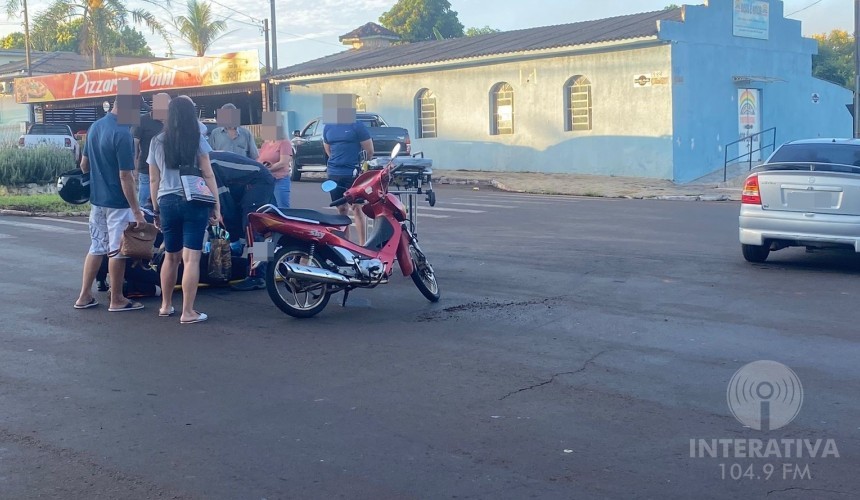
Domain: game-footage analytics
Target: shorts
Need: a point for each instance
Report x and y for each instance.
(183, 224)
(344, 182)
(106, 228)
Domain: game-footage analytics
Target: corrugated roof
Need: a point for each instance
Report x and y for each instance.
(48, 63)
(564, 35)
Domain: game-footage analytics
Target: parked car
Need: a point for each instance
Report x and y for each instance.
(51, 134)
(806, 194)
(308, 143)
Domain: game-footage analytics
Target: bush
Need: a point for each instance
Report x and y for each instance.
(40, 165)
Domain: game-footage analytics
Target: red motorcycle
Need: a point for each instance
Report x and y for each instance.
(313, 260)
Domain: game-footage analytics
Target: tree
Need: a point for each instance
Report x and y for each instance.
(835, 59)
(481, 31)
(100, 25)
(12, 41)
(49, 36)
(199, 28)
(415, 20)
(672, 6)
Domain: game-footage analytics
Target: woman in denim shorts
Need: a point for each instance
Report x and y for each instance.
(183, 223)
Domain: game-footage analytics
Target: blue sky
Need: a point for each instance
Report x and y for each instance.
(308, 29)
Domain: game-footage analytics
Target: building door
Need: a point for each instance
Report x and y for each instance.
(749, 122)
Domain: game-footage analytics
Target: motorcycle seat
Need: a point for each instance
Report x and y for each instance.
(306, 215)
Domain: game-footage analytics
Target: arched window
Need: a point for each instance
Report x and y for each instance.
(502, 109)
(360, 106)
(577, 103)
(425, 114)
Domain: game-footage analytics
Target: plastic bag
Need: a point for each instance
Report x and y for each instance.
(220, 258)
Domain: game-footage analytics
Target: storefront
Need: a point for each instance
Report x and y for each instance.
(80, 98)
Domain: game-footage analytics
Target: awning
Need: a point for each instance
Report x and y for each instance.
(238, 88)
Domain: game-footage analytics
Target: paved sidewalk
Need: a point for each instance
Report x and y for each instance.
(594, 185)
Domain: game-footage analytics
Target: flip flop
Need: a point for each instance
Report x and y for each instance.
(129, 306)
(163, 315)
(92, 303)
(200, 319)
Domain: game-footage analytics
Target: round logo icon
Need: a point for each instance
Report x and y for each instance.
(765, 395)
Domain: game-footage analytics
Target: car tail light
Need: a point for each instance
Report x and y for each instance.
(751, 194)
(408, 145)
(68, 142)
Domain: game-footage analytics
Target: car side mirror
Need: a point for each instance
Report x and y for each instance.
(296, 133)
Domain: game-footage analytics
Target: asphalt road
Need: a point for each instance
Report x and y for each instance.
(579, 346)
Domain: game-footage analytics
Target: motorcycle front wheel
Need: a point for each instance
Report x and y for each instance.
(296, 297)
(422, 274)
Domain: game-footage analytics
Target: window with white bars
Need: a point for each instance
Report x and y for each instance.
(502, 106)
(425, 112)
(577, 100)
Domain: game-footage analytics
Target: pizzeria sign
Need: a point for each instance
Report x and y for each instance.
(170, 74)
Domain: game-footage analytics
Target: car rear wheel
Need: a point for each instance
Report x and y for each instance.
(755, 253)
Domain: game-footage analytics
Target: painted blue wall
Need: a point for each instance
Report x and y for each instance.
(675, 130)
(705, 58)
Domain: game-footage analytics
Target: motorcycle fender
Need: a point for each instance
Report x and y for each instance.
(403, 256)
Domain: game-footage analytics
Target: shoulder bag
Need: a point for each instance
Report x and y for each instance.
(194, 185)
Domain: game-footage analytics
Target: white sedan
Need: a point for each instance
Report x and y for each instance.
(806, 194)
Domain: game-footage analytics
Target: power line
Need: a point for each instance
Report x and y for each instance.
(305, 37)
(232, 9)
(816, 2)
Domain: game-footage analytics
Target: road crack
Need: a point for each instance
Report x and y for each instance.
(584, 366)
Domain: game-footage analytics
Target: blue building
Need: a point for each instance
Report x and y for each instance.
(656, 94)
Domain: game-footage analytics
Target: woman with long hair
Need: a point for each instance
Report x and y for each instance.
(183, 223)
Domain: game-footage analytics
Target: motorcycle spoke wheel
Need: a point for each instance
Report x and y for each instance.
(296, 297)
(423, 276)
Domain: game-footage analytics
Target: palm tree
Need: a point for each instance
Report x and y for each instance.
(199, 28)
(99, 18)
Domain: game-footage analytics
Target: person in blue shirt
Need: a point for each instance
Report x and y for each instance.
(109, 158)
(344, 144)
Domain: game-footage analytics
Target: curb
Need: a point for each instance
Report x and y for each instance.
(24, 213)
(591, 194)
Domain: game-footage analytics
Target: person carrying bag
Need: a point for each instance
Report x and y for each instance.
(182, 183)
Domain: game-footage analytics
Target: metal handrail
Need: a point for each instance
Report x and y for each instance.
(749, 153)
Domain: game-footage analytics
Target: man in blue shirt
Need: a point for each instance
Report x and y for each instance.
(343, 144)
(109, 158)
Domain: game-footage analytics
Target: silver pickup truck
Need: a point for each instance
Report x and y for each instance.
(51, 134)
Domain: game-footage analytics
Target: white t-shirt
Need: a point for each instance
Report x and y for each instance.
(170, 182)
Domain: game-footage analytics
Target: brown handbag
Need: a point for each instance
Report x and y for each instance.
(138, 243)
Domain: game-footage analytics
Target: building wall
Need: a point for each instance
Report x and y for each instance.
(705, 58)
(12, 116)
(632, 127)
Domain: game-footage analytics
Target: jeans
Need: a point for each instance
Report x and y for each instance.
(282, 192)
(143, 191)
(183, 223)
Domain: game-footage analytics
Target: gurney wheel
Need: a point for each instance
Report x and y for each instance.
(431, 198)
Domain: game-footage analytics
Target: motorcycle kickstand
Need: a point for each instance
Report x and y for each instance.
(345, 296)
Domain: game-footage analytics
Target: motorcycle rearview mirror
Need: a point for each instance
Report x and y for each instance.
(395, 151)
(329, 186)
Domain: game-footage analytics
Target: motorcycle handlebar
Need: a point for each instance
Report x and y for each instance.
(338, 202)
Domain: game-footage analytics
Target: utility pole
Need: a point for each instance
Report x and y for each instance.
(857, 68)
(275, 37)
(266, 33)
(31, 115)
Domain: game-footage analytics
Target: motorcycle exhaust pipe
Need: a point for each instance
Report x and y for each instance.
(318, 274)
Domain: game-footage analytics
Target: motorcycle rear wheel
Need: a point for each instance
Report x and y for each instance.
(422, 274)
(298, 298)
